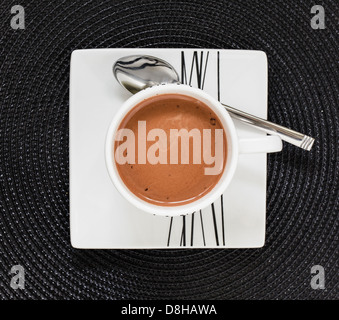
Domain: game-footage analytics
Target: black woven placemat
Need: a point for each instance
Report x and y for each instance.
(302, 199)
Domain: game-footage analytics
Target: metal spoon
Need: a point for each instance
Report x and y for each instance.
(138, 72)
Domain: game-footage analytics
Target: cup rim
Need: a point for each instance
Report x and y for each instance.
(232, 150)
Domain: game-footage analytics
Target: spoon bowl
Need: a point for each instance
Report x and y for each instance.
(137, 72)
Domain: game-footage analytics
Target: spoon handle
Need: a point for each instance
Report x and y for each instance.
(296, 138)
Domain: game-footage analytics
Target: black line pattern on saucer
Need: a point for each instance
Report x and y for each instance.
(169, 232)
(183, 233)
(202, 228)
(192, 228)
(218, 74)
(222, 197)
(199, 64)
(222, 219)
(215, 225)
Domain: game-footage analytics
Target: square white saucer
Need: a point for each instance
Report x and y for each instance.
(101, 218)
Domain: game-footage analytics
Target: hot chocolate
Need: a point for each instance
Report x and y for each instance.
(172, 150)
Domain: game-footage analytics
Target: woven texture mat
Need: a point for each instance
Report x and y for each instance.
(302, 199)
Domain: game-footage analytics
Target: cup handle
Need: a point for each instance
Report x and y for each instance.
(266, 144)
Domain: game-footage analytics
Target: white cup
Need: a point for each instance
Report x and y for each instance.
(234, 147)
